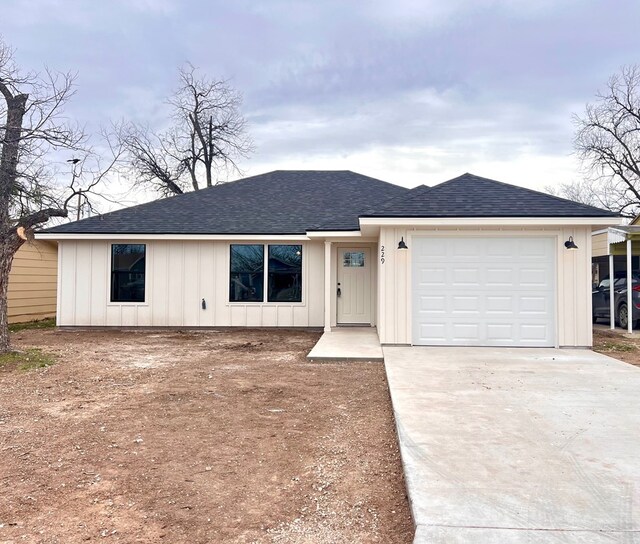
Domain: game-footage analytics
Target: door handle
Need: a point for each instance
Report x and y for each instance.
(339, 292)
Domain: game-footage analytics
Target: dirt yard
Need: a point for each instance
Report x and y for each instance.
(196, 437)
(617, 344)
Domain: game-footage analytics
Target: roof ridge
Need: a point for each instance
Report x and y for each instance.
(504, 184)
(392, 201)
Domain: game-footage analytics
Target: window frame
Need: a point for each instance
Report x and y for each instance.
(264, 287)
(147, 283)
(265, 301)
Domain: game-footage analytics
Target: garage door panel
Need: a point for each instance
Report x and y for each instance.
(499, 277)
(500, 332)
(534, 249)
(432, 276)
(461, 304)
(466, 331)
(534, 278)
(466, 249)
(432, 304)
(489, 291)
(534, 333)
(465, 276)
(433, 332)
(538, 305)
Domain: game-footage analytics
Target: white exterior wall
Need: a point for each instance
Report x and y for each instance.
(179, 274)
(573, 283)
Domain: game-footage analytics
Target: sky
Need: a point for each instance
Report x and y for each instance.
(410, 91)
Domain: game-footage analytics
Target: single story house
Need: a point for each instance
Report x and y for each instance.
(471, 261)
(33, 282)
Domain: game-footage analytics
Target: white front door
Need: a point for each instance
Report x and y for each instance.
(494, 291)
(354, 286)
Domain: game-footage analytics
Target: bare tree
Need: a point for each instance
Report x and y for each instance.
(206, 138)
(607, 140)
(33, 133)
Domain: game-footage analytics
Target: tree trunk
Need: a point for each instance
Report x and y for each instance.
(8, 249)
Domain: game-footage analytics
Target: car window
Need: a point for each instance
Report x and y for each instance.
(604, 284)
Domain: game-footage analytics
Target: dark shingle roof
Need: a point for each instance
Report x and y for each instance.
(297, 201)
(474, 196)
(279, 202)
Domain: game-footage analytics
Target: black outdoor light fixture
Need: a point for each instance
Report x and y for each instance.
(569, 244)
(401, 244)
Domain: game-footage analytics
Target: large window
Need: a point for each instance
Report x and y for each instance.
(283, 273)
(247, 273)
(127, 272)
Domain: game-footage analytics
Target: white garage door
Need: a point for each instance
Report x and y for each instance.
(484, 291)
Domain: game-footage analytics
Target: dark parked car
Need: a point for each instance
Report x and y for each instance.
(601, 297)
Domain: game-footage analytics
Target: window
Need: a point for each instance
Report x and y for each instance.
(285, 273)
(282, 272)
(353, 258)
(247, 273)
(127, 272)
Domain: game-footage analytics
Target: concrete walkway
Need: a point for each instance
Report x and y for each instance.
(348, 344)
(518, 445)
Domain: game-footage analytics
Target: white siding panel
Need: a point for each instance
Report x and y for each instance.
(67, 282)
(83, 283)
(157, 272)
(175, 288)
(99, 283)
(206, 284)
(178, 276)
(192, 303)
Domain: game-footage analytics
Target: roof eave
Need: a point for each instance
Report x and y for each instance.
(486, 221)
(166, 236)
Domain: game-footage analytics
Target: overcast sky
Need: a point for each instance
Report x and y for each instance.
(409, 91)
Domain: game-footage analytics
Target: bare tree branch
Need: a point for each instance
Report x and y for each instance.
(33, 134)
(607, 140)
(207, 137)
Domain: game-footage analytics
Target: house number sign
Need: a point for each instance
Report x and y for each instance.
(381, 254)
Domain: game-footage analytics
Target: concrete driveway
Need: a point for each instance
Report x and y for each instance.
(518, 445)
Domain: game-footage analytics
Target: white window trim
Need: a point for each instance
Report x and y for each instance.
(147, 284)
(265, 280)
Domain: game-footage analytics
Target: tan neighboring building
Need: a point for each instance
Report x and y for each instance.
(33, 282)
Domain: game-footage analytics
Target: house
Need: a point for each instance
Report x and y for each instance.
(32, 282)
(471, 261)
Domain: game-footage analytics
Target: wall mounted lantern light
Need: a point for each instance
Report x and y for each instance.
(401, 244)
(569, 244)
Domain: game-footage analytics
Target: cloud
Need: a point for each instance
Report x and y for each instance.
(407, 88)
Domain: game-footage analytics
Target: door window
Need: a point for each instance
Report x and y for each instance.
(353, 259)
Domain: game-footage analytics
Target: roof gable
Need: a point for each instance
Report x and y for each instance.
(474, 196)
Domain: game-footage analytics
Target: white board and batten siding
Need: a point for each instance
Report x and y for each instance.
(179, 274)
(465, 308)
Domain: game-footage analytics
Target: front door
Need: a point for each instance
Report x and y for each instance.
(354, 286)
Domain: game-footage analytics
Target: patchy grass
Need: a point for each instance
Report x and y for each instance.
(29, 325)
(609, 346)
(28, 359)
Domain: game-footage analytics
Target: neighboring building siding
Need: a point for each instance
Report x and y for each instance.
(600, 244)
(573, 283)
(179, 275)
(32, 282)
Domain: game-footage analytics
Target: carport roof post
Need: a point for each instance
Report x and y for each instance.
(616, 237)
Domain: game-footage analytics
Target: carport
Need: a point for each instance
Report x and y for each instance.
(517, 445)
(621, 241)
